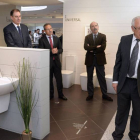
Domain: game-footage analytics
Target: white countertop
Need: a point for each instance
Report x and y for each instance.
(24, 49)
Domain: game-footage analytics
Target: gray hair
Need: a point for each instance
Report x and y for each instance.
(133, 20)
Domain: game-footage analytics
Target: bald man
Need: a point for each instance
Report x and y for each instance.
(95, 44)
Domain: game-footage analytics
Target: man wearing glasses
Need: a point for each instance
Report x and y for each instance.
(51, 42)
(95, 45)
(126, 83)
(16, 34)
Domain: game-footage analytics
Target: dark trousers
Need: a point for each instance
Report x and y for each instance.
(56, 71)
(100, 71)
(128, 93)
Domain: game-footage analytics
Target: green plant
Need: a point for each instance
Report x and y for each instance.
(24, 93)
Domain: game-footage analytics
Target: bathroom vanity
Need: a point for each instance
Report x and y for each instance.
(11, 119)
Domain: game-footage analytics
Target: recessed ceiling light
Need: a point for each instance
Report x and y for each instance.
(32, 8)
(61, 0)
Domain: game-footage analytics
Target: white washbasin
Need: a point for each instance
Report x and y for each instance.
(5, 88)
(6, 85)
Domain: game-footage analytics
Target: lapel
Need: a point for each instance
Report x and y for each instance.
(127, 50)
(138, 78)
(98, 37)
(54, 42)
(23, 33)
(16, 32)
(48, 46)
(91, 39)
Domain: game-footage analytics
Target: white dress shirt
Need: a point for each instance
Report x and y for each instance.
(134, 41)
(49, 38)
(16, 26)
(94, 35)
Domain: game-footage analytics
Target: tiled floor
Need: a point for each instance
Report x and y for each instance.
(76, 119)
(107, 135)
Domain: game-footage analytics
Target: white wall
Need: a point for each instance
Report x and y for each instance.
(114, 18)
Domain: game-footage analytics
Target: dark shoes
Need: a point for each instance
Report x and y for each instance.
(130, 139)
(89, 98)
(106, 97)
(63, 97)
(135, 138)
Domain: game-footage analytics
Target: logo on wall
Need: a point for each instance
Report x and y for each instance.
(72, 19)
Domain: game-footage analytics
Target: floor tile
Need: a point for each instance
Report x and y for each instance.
(79, 127)
(91, 137)
(103, 120)
(66, 113)
(94, 108)
(55, 133)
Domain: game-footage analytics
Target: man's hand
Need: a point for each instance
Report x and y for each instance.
(98, 46)
(55, 51)
(114, 85)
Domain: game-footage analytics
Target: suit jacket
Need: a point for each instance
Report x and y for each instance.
(122, 62)
(44, 44)
(100, 54)
(13, 39)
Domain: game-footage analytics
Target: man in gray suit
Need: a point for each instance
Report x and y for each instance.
(16, 34)
(126, 81)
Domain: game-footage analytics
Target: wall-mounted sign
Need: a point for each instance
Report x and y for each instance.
(72, 19)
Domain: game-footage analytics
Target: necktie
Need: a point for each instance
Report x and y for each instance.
(133, 59)
(51, 44)
(95, 38)
(19, 31)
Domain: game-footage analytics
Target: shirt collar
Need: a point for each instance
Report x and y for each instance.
(95, 34)
(134, 38)
(16, 25)
(49, 36)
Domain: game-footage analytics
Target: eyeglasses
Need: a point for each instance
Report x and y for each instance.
(48, 29)
(136, 28)
(94, 26)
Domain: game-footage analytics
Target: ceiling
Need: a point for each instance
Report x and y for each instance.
(32, 2)
(53, 11)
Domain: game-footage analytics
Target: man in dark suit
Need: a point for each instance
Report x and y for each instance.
(16, 34)
(51, 42)
(95, 44)
(125, 83)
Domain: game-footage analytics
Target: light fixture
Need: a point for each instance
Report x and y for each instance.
(61, 0)
(32, 8)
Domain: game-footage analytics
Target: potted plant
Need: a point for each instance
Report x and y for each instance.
(24, 95)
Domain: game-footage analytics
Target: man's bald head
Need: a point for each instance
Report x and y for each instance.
(94, 27)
